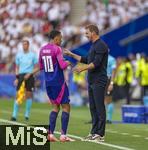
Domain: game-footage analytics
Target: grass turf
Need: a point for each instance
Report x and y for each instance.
(118, 134)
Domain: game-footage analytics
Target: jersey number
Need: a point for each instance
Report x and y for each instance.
(48, 64)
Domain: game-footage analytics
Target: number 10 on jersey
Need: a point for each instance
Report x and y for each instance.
(48, 64)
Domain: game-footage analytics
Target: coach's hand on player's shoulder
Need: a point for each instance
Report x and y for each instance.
(26, 77)
(67, 52)
(15, 82)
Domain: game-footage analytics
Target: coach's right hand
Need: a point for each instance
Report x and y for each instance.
(67, 52)
(15, 82)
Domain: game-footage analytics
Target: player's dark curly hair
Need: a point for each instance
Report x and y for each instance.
(54, 33)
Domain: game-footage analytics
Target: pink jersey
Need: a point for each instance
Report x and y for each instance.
(52, 62)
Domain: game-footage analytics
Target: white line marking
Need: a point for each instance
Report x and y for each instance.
(74, 136)
(12, 122)
(136, 135)
(112, 131)
(146, 138)
(7, 112)
(133, 135)
(125, 133)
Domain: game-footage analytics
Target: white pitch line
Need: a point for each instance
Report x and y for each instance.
(136, 135)
(7, 112)
(133, 135)
(112, 131)
(74, 136)
(125, 133)
(12, 122)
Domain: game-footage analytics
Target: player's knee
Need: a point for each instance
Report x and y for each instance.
(56, 108)
(66, 108)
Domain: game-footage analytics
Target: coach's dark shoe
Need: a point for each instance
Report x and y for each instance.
(97, 138)
(26, 118)
(108, 121)
(13, 119)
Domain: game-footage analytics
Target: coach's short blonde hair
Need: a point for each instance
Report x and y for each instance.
(93, 28)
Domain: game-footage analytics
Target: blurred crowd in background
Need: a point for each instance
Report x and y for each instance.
(35, 19)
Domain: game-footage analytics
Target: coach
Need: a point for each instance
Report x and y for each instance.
(97, 78)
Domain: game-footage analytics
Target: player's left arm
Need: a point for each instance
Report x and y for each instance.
(63, 64)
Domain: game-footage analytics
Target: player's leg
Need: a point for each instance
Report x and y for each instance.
(53, 92)
(53, 118)
(65, 121)
(65, 118)
(109, 108)
(29, 89)
(65, 115)
(52, 122)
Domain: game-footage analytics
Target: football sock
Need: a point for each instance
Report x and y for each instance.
(64, 122)
(52, 121)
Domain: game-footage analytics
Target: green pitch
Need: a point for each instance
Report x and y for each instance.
(124, 136)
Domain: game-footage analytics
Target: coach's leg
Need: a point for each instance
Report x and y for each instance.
(99, 96)
(93, 111)
(53, 118)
